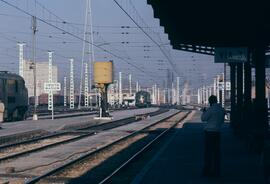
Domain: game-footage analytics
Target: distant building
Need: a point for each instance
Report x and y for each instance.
(42, 76)
(113, 95)
(186, 94)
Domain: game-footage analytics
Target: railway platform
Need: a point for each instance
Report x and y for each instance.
(180, 160)
(48, 125)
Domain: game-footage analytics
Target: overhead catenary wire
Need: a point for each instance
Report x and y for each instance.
(65, 50)
(44, 58)
(154, 41)
(77, 37)
(27, 46)
(65, 23)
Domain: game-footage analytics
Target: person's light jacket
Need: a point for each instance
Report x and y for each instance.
(2, 110)
(214, 116)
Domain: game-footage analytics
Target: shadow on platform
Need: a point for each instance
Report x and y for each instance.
(182, 159)
(179, 159)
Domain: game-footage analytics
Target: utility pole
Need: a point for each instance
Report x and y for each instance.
(177, 90)
(206, 95)
(158, 96)
(223, 89)
(130, 85)
(50, 92)
(34, 29)
(86, 89)
(169, 96)
(92, 48)
(164, 96)
(65, 91)
(199, 96)
(116, 97)
(111, 93)
(71, 87)
(21, 63)
(173, 93)
(218, 94)
(155, 87)
(120, 89)
(88, 40)
(215, 86)
(224, 79)
(137, 86)
(202, 96)
(83, 52)
(153, 94)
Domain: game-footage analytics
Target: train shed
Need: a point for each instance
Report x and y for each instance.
(204, 27)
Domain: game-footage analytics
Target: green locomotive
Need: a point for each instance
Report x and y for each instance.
(14, 95)
(142, 99)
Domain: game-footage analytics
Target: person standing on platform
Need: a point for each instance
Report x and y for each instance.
(214, 117)
(2, 110)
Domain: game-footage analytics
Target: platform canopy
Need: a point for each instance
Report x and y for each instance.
(199, 26)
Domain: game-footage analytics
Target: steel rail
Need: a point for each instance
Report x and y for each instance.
(67, 115)
(103, 126)
(62, 167)
(138, 153)
(121, 122)
(5, 146)
(45, 147)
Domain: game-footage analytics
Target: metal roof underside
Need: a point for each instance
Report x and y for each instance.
(200, 26)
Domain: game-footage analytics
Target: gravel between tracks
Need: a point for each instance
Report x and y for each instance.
(94, 161)
(35, 164)
(121, 149)
(38, 144)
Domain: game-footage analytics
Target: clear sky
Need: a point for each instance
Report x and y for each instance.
(110, 32)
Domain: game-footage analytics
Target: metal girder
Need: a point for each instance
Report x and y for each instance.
(196, 49)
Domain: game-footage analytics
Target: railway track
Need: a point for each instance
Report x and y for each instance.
(27, 137)
(68, 113)
(25, 148)
(65, 114)
(12, 151)
(17, 149)
(121, 122)
(143, 138)
(122, 170)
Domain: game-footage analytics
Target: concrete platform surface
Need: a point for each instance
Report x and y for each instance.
(181, 159)
(58, 124)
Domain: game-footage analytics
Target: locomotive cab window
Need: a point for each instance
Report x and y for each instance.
(12, 86)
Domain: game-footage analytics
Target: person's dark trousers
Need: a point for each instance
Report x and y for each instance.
(211, 154)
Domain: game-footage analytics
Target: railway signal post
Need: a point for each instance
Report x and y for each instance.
(21, 63)
(50, 86)
(71, 85)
